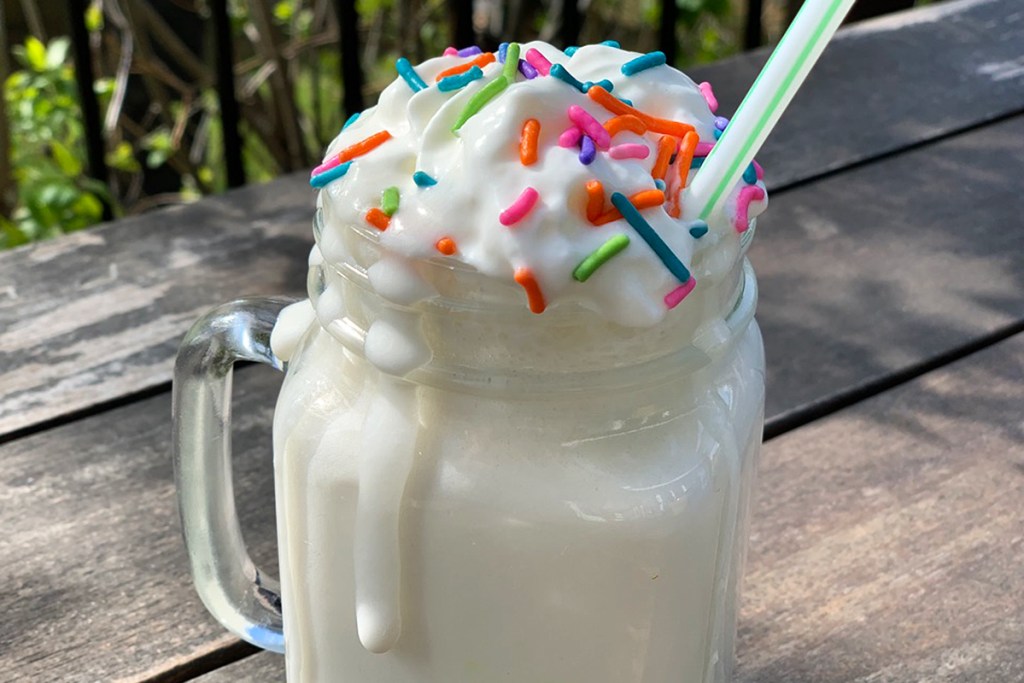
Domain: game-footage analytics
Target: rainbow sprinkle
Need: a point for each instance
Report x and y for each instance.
(389, 201)
(599, 257)
(502, 51)
(352, 119)
(422, 179)
(698, 230)
(721, 122)
(588, 151)
(611, 43)
(450, 83)
(750, 175)
(520, 207)
(479, 99)
(709, 96)
(538, 61)
(589, 125)
(319, 180)
(644, 62)
(570, 137)
(511, 62)
(534, 297)
(660, 184)
(528, 70)
(562, 74)
(648, 234)
(571, 50)
(469, 51)
(631, 150)
(675, 297)
(747, 194)
(409, 75)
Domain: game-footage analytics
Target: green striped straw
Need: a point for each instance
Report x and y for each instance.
(781, 77)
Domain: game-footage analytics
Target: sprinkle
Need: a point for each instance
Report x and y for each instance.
(610, 43)
(562, 74)
(352, 151)
(628, 103)
(758, 169)
(571, 50)
(588, 152)
(697, 162)
(451, 52)
(703, 149)
(409, 75)
(534, 297)
(616, 106)
(599, 257)
(666, 146)
(750, 175)
(617, 124)
(527, 70)
(458, 81)
(747, 194)
(469, 51)
(570, 137)
(389, 201)
(595, 200)
(631, 150)
(422, 179)
(718, 134)
(709, 95)
(647, 233)
(604, 83)
(321, 179)
(502, 50)
(645, 199)
(644, 62)
(721, 122)
(660, 184)
(538, 61)
(589, 125)
(520, 207)
(352, 119)
(481, 61)
(445, 245)
(686, 150)
(699, 229)
(673, 298)
(511, 62)
(479, 99)
(528, 142)
(378, 219)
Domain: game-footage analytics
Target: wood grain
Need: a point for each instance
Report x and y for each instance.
(886, 543)
(94, 318)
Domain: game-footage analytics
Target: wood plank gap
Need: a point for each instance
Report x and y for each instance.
(200, 666)
(798, 417)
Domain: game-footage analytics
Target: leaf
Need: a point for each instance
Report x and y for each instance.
(66, 159)
(35, 54)
(93, 18)
(123, 158)
(57, 52)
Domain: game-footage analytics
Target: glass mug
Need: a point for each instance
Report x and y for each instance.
(546, 498)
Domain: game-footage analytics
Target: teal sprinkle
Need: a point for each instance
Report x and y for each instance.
(718, 133)
(697, 162)
(629, 102)
(461, 80)
(654, 241)
(604, 83)
(422, 179)
(660, 184)
(643, 62)
(611, 43)
(321, 179)
(750, 175)
(571, 50)
(699, 229)
(409, 75)
(562, 74)
(351, 120)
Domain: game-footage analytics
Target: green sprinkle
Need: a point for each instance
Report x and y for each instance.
(389, 201)
(599, 257)
(482, 97)
(511, 63)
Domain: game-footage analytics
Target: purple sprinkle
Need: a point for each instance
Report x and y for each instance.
(469, 51)
(721, 122)
(528, 69)
(587, 151)
(502, 51)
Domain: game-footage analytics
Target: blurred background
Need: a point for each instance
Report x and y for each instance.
(115, 107)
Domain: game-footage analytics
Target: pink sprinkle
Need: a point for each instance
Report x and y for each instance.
(631, 150)
(327, 165)
(570, 137)
(582, 118)
(673, 298)
(451, 52)
(703, 149)
(538, 61)
(758, 170)
(520, 207)
(747, 194)
(709, 95)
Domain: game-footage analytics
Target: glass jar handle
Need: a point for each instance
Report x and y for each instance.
(241, 597)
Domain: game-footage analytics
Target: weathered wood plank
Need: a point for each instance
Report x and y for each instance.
(96, 316)
(888, 83)
(886, 542)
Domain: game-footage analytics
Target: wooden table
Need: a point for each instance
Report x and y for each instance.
(888, 541)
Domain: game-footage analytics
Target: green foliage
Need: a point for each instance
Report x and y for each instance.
(47, 148)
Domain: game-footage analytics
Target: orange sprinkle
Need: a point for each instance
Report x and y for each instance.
(653, 123)
(595, 200)
(445, 245)
(528, 142)
(643, 199)
(535, 298)
(666, 145)
(480, 61)
(685, 157)
(363, 146)
(617, 124)
(672, 207)
(378, 219)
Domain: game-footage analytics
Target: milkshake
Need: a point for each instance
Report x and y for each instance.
(523, 401)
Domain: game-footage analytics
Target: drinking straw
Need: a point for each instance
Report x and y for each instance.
(768, 97)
